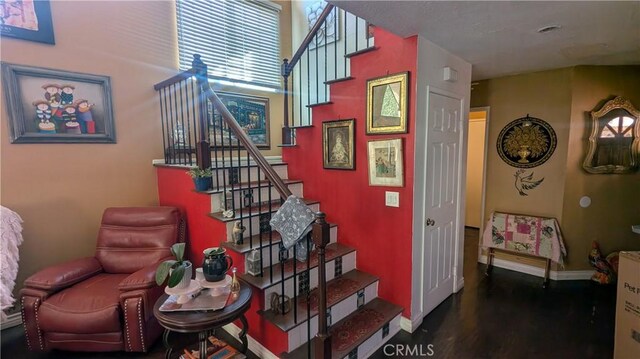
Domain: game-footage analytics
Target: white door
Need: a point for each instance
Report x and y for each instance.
(444, 144)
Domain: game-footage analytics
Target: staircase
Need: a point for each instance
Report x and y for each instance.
(324, 307)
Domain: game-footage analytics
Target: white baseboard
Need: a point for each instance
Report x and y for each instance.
(460, 285)
(537, 271)
(13, 320)
(254, 346)
(409, 325)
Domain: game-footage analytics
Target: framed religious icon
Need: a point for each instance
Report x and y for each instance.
(387, 104)
(338, 145)
(53, 106)
(27, 20)
(386, 163)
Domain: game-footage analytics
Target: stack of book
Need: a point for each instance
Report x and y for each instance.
(217, 349)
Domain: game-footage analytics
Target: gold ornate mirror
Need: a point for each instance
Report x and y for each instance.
(614, 142)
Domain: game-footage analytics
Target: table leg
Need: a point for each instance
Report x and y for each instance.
(547, 267)
(489, 268)
(202, 349)
(243, 334)
(165, 340)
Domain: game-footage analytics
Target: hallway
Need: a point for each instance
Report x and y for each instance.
(510, 316)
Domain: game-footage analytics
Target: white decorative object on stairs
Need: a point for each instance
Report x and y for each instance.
(11, 232)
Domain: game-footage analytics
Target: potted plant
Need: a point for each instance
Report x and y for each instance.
(179, 270)
(201, 178)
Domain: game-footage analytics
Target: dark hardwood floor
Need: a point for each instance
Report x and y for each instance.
(508, 316)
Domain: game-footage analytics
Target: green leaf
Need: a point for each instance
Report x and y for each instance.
(163, 271)
(178, 251)
(176, 276)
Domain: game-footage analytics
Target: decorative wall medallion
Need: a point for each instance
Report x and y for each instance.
(525, 182)
(526, 142)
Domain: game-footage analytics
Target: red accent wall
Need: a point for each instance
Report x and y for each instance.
(175, 188)
(381, 235)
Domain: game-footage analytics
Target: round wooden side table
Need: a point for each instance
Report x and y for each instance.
(204, 322)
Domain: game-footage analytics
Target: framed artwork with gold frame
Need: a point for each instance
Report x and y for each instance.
(386, 163)
(387, 104)
(338, 145)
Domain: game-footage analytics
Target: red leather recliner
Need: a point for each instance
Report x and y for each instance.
(105, 302)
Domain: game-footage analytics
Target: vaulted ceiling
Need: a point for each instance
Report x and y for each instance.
(504, 37)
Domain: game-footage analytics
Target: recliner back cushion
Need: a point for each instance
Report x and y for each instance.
(132, 238)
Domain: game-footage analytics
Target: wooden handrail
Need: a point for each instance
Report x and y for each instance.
(174, 79)
(250, 147)
(307, 40)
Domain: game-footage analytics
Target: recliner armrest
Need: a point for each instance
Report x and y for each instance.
(60, 276)
(141, 279)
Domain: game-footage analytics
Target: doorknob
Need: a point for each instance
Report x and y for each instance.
(429, 222)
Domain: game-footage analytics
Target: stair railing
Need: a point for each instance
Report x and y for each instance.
(321, 59)
(196, 123)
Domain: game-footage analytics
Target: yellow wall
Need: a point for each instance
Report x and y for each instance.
(61, 190)
(561, 97)
(475, 167)
(615, 199)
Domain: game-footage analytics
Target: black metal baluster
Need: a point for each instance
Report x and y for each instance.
(326, 61)
(317, 73)
(368, 34)
(335, 43)
(261, 225)
(164, 145)
(308, 89)
(231, 171)
(250, 193)
(294, 300)
(357, 19)
(176, 118)
(271, 237)
(195, 115)
(300, 91)
(346, 39)
(225, 170)
(216, 149)
(239, 188)
(171, 135)
(184, 135)
(186, 99)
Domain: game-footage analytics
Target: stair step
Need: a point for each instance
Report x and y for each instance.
(338, 289)
(319, 104)
(256, 210)
(355, 329)
(359, 52)
(248, 185)
(333, 251)
(259, 241)
(340, 79)
(241, 164)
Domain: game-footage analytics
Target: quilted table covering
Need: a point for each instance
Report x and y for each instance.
(537, 236)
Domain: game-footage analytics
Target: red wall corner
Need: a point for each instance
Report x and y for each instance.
(381, 235)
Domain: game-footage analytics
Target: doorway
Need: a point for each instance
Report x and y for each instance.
(476, 157)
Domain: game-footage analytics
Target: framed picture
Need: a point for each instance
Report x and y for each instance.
(27, 20)
(338, 144)
(387, 100)
(251, 112)
(53, 106)
(386, 163)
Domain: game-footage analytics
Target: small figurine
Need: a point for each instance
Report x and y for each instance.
(66, 94)
(238, 230)
(235, 285)
(70, 122)
(227, 208)
(87, 124)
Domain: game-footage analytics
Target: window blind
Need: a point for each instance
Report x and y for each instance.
(239, 40)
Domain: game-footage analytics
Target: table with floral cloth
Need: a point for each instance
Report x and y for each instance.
(530, 235)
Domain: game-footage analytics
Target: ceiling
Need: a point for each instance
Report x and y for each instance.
(501, 37)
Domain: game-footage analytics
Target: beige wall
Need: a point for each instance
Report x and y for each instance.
(561, 97)
(60, 190)
(615, 199)
(475, 167)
